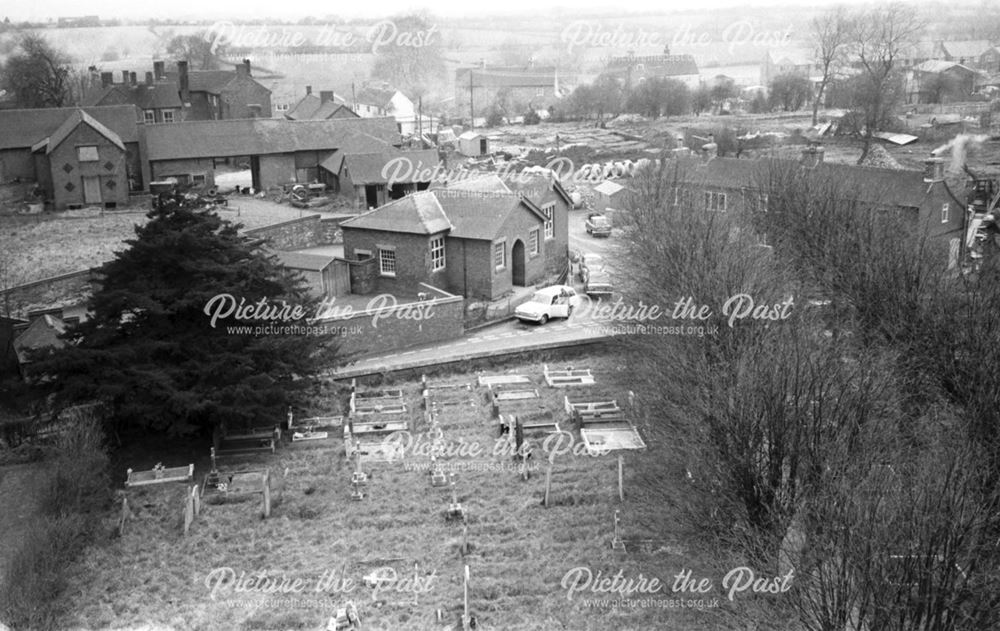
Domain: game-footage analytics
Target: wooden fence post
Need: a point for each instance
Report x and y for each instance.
(267, 493)
(188, 513)
(621, 478)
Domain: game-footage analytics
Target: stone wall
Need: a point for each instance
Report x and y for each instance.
(63, 290)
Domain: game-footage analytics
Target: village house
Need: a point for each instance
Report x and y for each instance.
(937, 81)
(77, 156)
(182, 95)
(322, 107)
(524, 88)
(478, 239)
(923, 198)
(975, 54)
(633, 69)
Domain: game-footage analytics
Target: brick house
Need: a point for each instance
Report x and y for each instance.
(221, 94)
(83, 162)
(632, 69)
(555, 202)
(730, 184)
(159, 101)
(479, 244)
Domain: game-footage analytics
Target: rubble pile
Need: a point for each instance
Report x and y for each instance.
(878, 157)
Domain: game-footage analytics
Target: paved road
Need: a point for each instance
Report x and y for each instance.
(505, 337)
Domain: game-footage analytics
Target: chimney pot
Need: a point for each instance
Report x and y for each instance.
(933, 169)
(159, 70)
(125, 76)
(309, 90)
(106, 79)
(149, 78)
(132, 78)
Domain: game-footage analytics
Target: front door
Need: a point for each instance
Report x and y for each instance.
(517, 263)
(92, 190)
(371, 196)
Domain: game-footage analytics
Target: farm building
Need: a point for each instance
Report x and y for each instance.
(278, 151)
(22, 131)
(320, 272)
(376, 178)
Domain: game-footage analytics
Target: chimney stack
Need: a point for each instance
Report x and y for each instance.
(183, 81)
(125, 77)
(309, 90)
(710, 149)
(325, 95)
(812, 156)
(243, 69)
(933, 169)
(158, 70)
(132, 79)
(106, 79)
(149, 78)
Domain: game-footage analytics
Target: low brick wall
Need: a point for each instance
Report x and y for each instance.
(304, 232)
(392, 328)
(62, 290)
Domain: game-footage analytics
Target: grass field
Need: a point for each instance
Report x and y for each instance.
(520, 550)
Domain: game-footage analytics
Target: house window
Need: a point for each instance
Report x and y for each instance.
(437, 254)
(715, 201)
(548, 210)
(168, 116)
(87, 153)
(500, 254)
(148, 116)
(533, 241)
(944, 212)
(198, 179)
(362, 255)
(387, 262)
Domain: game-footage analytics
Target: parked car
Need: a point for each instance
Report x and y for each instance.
(598, 225)
(556, 301)
(598, 284)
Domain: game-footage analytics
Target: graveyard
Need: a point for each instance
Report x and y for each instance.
(441, 501)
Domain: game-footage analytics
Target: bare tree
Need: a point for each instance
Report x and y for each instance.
(880, 35)
(39, 74)
(832, 36)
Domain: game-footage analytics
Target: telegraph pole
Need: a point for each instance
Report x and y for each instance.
(472, 109)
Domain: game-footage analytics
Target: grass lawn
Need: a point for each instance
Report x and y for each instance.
(520, 550)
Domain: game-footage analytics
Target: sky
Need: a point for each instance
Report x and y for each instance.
(129, 9)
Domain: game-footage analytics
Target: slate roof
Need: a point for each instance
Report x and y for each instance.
(419, 213)
(311, 107)
(937, 65)
(144, 96)
(257, 136)
(74, 120)
(376, 96)
(464, 214)
(486, 183)
(660, 65)
(304, 260)
(967, 49)
(904, 187)
(374, 168)
(22, 128)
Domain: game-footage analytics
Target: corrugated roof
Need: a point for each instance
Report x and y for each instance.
(419, 213)
(23, 128)
(304, 260)
(73, 121)
(374, 167)
(257, 136)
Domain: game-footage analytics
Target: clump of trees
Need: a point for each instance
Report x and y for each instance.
(38, 74)
(854, 441)
(151, 352)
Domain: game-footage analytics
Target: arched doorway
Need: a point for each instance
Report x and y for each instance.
(517, 263)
